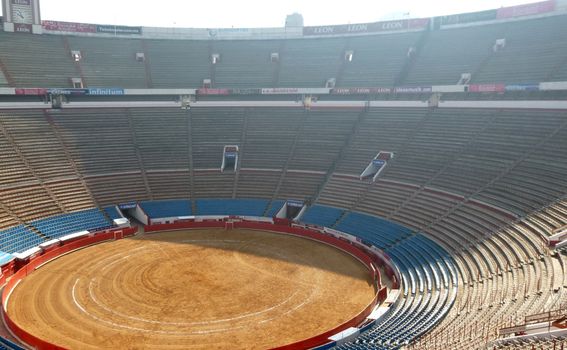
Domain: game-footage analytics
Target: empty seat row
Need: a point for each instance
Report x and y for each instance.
(244, 207)
(167, 208)
(61, 225)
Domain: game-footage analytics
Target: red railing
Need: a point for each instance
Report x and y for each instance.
(282, 227)
(33, 264)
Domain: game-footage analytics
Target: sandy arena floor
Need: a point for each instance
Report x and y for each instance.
(205, 289)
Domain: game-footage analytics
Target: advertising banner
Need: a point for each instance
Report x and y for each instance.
(68, 27)
(487, 88)
(554, 85)
(448, 88)
(245, 91)
(413, 90)
(31, 92)
(295, 203)
(213, 92)
(360, 91)
(118, 30)
(522, 87)
(526, 10)
(105, 91)
(488, 15)
(215, 32)
(65, 91)
(294, 91)
(69, 91)
(418, 23)
(387, 26)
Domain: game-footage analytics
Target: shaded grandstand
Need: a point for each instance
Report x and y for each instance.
(465, 209)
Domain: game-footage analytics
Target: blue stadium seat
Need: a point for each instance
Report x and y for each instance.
(380, 232)
(244, 207)
(428, 274)
(322, 215)
(18, 239)
(275, 206)
(167, 208)
(61, 225)
(112, 212)
(424, 265)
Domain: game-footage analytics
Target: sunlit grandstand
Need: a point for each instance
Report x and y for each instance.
(390, 185)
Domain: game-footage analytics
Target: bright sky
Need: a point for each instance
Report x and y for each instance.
(253, 13)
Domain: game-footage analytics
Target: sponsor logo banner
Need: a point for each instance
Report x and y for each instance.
(522, 87)
(387, 26)
(22, 28)
(105, 91)
(245, 91)
(526, 10)
(213, 91)
(68, 27)
(469, 17)
(33, 91)
(294, 91)
(487, 88)
(413, 90)
(65, 91)
(418, 23)
(131, 205)
(69, 91)
(337, 29)
(214, 32)
(360, 91)
(295, 203)
(275, 91)
(390, 26)
(555, 85)
(118, 30)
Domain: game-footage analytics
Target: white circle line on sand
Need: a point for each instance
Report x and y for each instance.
(251, 314)
(118, 325)
(106, 267)
(114, 256)
(213, 322)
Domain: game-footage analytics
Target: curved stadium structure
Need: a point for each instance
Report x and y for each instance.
(461, 121)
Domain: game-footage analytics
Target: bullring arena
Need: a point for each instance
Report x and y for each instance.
(212, 289)
(393, 185)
